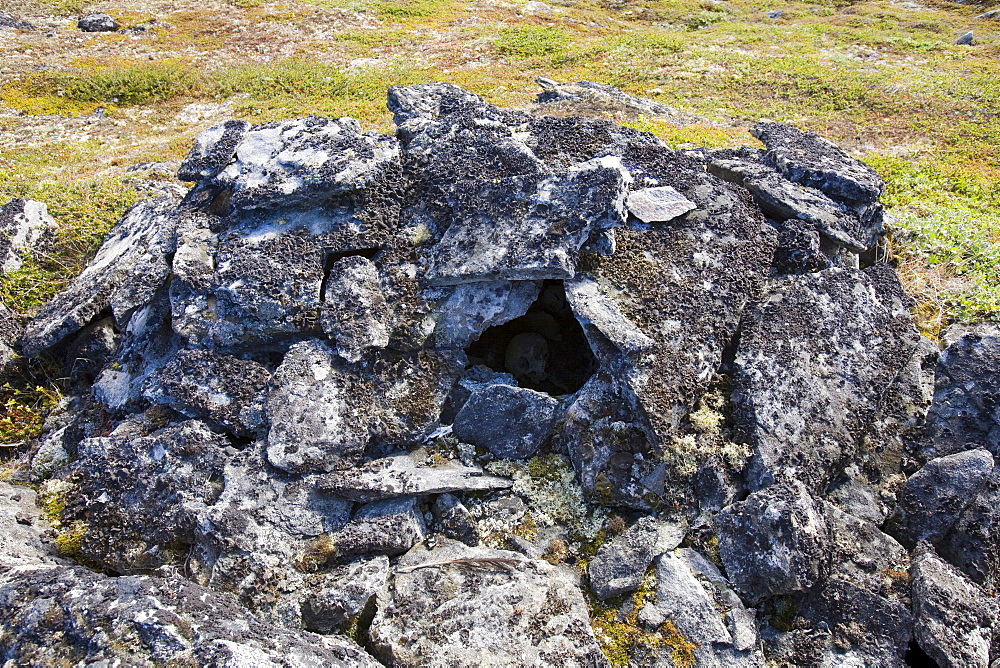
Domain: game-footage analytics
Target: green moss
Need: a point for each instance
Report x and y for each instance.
(531, 41)
(623, 640)
(683, 649)
(69, 541)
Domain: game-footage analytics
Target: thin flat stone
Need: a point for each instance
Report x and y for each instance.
(658, 205)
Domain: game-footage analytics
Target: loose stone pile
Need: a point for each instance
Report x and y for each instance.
(504, 389)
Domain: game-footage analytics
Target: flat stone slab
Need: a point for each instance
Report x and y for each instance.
(658, 205)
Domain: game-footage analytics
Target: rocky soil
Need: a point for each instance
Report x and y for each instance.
(503, 388)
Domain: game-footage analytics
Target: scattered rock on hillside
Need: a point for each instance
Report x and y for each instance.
(10, 22)
(97, 22)
(24, 226)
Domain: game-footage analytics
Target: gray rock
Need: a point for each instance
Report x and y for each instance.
(70, 614)
(23, 532)
(963, 413)
(775, 542)
(91, 350)
(992, 14)
(454, 520)
(354, 313)
(97, 22)
(131, 265)
(812, 367)
(953, 618)
(596, 311)
(51, 454)
(473, 307)
(10, 22)
(10, 332)
(391, 527)
(340, 596)
(973, 544)
(965, 39)
(658, 205)
(24, 225)
(526, 612)
(588, 96)
(534, 225)
(213, 151)
(225, 391)
(293, 162)
(264, 535)
(405, 474)
(936, 495)
(511, 422)
(810, 160)
(620, 564)
(139, 493)
(799, 248)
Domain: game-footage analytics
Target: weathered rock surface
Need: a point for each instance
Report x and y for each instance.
(973, 544)
(98, 22)
(23, 533)
(511, 422)
(514, 611)
(621, 563)
(83, 617)
(10, 22)
(954, 619)
(405, 474)
(24, 225)
(338, 597)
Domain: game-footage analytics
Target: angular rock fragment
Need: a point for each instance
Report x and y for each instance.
(131, 265)
(953, 618)
(973, 544)
(810, 160)
(658, 205)
(454, 520)
(406, 474)
(139, 493)
(338, 597)
(24, 224)
(963, 414)
(223, 390)
(479, 606)
(391, 526)
(10, 332)
(23, 540)
(621, 563)
(511, 422)
(597, 311)
(813, 364)
(213, 150)
(775, 542)
(54, 614)
(354, 313)
(473, 307)
(936, 495)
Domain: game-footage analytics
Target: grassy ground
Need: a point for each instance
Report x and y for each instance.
(884, 79)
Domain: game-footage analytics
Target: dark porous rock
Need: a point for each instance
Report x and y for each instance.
(23, 539)
(130, 267)
(354, 313)
(480, 611)
(289, 163)
(694, 596)
(69, 614)
(810, 160)
(222, 390)
(408, 474)
(775, 542)
(97, 22)
(213, 150)
(935, 496)
(454, 520)
(973, 544)
(813, 364)
(264, 535)
(621, 562)
(799, 248)
(338, 597)
(954, 620)
(964, 414)
(511, 422)
(139, 493)
(10, 22)
(24, 226)
(391, 527)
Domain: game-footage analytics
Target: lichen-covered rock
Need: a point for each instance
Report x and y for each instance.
(813, 364)
(336, 598)
(774, 542)
(213, 150)
(222, 390)
(454, 520)
(10, 22)
(408, 474)
(963, 414)
(936, 495)
(621, 563)
(473, 307)
(130, 267)
(24, 225)
(973, 544)
(482, 612)
(24, 539)
(69, 614)
(391, 526)
(354, 314)
(812, 161)
(97, 22)
(139, 493)
(511, 422)
(10, 332)
(953, 619)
